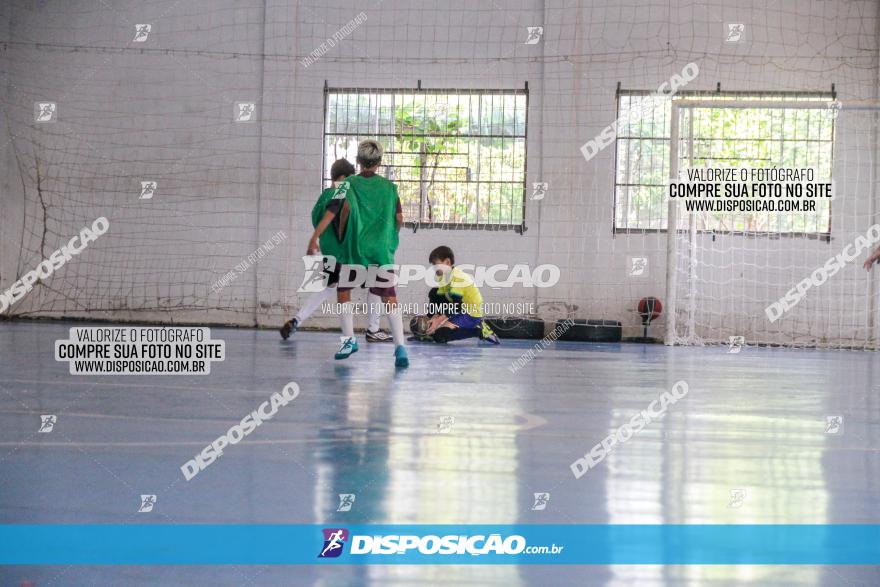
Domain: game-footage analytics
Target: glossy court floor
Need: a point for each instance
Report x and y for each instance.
(753, 421)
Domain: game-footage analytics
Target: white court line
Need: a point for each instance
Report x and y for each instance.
(158, 386)
(185, 419)
(806, 450)
(531, 420)
(138, 385)
(201, 443)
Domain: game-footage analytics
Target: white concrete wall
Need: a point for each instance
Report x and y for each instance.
(162, 110)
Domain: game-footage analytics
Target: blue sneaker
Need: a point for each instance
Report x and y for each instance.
(401, 359)
(348, 347)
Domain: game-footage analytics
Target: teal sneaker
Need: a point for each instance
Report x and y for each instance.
(401, 359)
(347, 348)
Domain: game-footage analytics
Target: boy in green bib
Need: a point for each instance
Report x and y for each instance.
(330, 247)
(366, 216)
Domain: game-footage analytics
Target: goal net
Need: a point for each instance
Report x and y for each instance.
(787, 278)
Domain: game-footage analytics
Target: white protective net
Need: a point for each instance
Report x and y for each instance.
(476, 103)
(732, 269)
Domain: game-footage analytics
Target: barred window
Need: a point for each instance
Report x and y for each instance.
(712, 135)
(458, 156)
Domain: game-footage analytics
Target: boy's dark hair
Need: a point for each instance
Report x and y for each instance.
(340, 168)
(441, 253)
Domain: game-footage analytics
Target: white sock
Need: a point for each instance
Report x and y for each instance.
(375, 311)
(395, 320)
(312, 303)
(346, 319)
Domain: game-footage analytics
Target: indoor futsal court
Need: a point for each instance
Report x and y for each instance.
(506, 293)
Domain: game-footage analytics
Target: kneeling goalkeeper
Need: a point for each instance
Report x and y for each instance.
(457, 306)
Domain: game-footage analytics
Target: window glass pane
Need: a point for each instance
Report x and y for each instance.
(457, 158)
(715, 136)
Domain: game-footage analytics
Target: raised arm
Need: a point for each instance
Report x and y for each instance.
(337, 205)
(319, 230)
(872, 258)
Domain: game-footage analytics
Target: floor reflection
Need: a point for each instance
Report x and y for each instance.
(456, 438)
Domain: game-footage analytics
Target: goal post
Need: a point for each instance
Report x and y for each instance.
(724, 269)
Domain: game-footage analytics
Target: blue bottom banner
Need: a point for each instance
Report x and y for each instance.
(569, 544)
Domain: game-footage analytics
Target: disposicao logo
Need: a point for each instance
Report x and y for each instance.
(334, 540)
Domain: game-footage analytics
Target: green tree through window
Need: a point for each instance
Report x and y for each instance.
(713, 136)
(458, 158)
